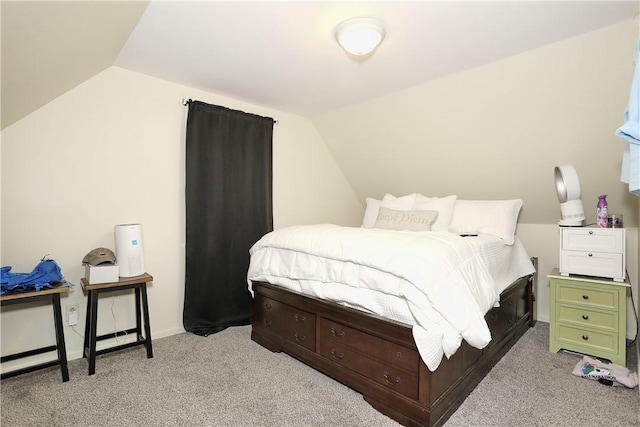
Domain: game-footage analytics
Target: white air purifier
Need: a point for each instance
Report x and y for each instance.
(129, 249)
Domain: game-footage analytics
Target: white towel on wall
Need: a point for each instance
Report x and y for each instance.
(631, 167)
(630, 132)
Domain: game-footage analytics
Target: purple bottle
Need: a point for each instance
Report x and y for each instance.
(602, 217)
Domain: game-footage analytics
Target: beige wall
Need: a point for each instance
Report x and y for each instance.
(497, 131)
(111, 151)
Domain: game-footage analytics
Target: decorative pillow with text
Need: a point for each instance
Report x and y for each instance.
(399, 220)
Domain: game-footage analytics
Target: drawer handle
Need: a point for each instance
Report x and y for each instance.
(585, 337)
(399, 355)
(267, 305)
(338, 335)
(267, 323)
(335, 355)
(585, 317)
(590, 231)
(388, 381)
(585, 296)
(299, 319)
(299, 338)
(590, 254)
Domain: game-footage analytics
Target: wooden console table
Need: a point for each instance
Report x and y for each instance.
(48, 294)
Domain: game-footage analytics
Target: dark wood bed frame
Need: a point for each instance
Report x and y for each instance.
(378, 357)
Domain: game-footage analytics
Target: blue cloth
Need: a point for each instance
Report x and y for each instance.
(42, 276)
(630, 132)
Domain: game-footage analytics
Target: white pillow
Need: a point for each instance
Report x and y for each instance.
(403, 203)
(494, 217)
(371, 212)
(444, 206)
(391, 219)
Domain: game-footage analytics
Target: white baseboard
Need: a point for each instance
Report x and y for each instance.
(77, 354)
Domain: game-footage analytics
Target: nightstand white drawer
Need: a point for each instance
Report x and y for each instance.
(592, 264)
(609, 240)
(591, 251)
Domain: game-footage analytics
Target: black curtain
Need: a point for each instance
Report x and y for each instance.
(228, 208)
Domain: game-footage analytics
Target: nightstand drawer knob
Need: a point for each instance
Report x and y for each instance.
(590, 232)
(590, 254)
(585, 337)
(585, 317)
(585, 296)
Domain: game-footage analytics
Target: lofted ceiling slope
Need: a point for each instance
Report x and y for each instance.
(279, 54)
(49, 47)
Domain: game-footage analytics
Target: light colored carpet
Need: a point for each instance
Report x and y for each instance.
(228, 380)
(532, 387)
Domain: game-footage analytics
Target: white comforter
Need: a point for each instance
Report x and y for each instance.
(436, 281)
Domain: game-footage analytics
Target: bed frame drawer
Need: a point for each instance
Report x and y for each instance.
(389, 375)
(513, 306)
(377, 348)
(296, 325)
(378, 357)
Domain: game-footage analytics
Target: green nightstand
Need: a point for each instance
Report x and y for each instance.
(588, 315)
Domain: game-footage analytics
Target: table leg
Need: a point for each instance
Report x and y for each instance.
(87, 328)
(93, 297)
(147, 325)
(138, 316)
(60, 344)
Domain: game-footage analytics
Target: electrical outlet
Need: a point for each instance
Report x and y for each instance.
(72, 314)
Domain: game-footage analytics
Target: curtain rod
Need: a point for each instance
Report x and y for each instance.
(185, 102)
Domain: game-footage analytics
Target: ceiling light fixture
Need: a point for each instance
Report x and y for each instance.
(360, 36)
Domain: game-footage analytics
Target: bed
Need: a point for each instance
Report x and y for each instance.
(411, 315)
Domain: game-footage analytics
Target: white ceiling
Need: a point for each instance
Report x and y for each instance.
(284, 55)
